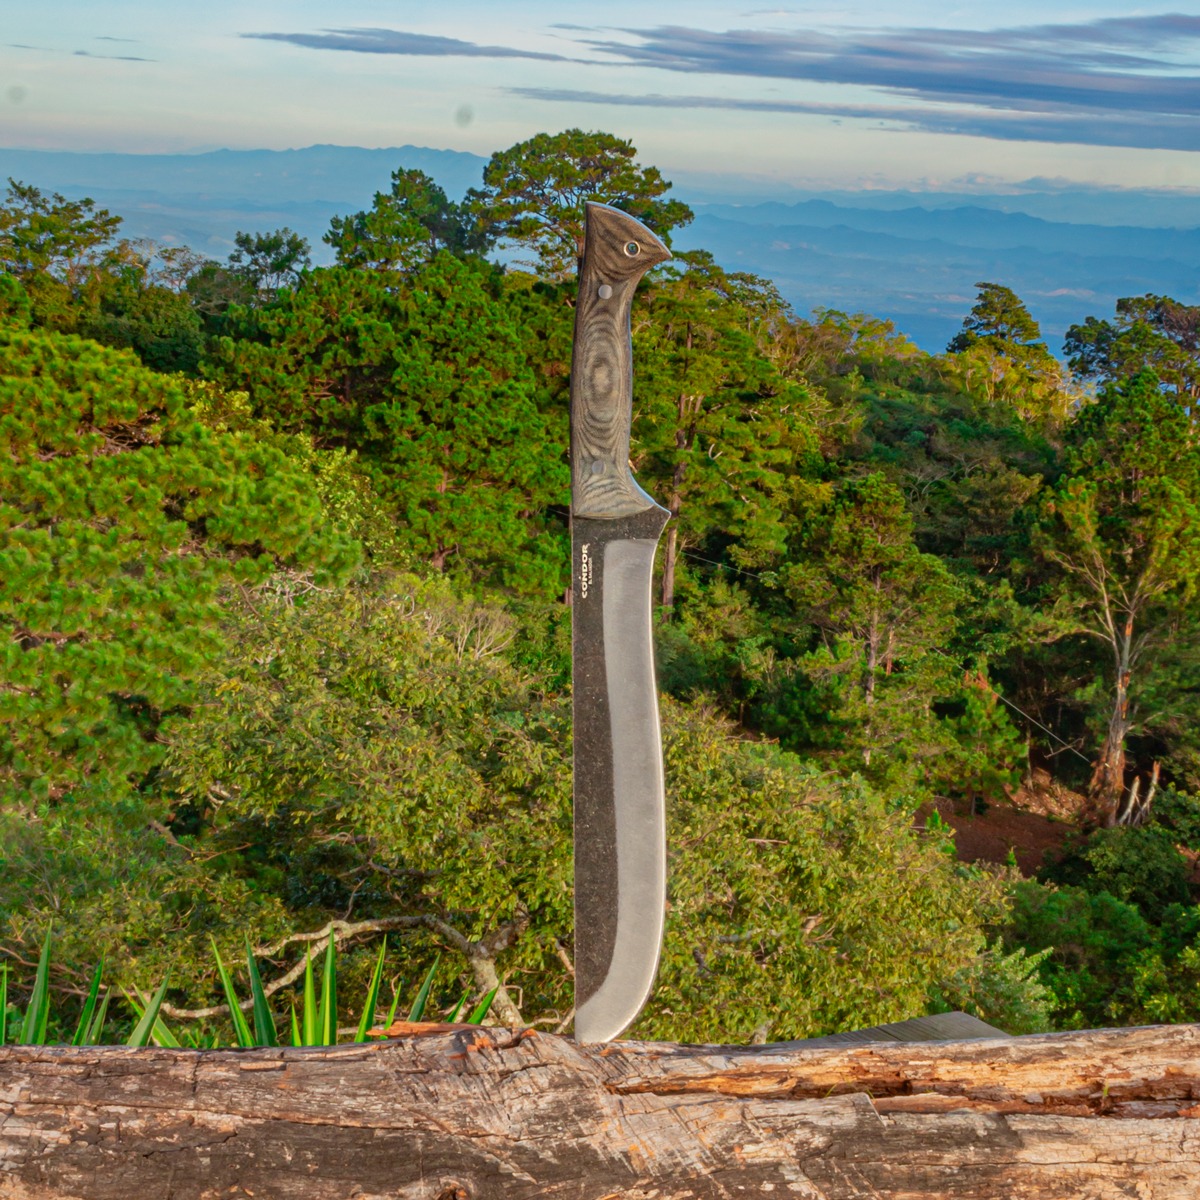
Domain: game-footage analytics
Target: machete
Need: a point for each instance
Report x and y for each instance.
(620, 819)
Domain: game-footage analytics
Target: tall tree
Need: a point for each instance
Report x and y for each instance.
(404, 227)
(880, 604)
(534, 193)
(1122, 528)
(718, 430)
(1149, 333)
(269, 262)
(1000, 356)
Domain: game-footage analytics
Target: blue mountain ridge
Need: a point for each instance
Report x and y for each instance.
(907, 256)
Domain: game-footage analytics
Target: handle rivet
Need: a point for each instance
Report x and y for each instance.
(597, 467)
(605, 292)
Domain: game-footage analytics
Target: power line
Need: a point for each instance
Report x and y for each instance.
(1003, 699)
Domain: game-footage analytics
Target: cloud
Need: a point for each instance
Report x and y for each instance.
(398, 41)
(1139, 130)
(1119, 81)
(113, 57)
(1116, 64)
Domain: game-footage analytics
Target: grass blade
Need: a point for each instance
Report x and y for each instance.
(264, 1019)
(3, 1003)
(89, 1007)
(367, 1020)
(37, 1015)
(241, 1030)
(144, 1029)
(481, 1009)
(311, 1023)
(462, 1003)
(328, 1017)
(418, 1009)
(297, 1036)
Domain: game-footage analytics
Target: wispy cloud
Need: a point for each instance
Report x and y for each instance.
(1148, 131)
(1113, 64)
(113, 57)
(1120, 81)
(398, 41)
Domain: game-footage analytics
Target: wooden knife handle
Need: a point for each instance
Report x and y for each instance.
(617, 252)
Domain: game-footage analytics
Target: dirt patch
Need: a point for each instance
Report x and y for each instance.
(1000, 830)
(1040, 793)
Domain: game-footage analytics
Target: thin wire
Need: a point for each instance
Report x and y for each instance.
(1003, 699)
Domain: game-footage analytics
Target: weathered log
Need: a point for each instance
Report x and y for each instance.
(469, 1114)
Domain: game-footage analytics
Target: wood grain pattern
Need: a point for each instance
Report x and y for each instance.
(602, 364)
(482, 1114)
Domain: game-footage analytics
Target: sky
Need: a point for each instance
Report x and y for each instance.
(894, 93)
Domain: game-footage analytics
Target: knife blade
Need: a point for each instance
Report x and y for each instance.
(619, 798)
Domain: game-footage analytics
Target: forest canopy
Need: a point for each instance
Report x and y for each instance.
(283, 574)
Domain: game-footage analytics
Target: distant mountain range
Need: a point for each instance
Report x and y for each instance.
(913, 257)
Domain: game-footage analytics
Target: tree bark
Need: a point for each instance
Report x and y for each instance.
(1107, 784)
(475, 1114)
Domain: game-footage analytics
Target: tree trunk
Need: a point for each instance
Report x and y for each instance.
(683, 440)
(1107, 784)
(476, 1114)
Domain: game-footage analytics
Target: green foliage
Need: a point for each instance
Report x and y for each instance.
(799, 903)
(211, 730)
(405, 227)
(1149, 333)
(1141, 867)
(269, 262)
(1107, 965)
(431, 386)
(534, 194)
(120, 517)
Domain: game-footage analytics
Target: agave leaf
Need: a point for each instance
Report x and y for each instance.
(418, 1009)
(481, 1009)
(89, 1007)
(311, 1022)
(462, 1001)
(144, 1029)
(37, 1015)
(328, 1015)
(160, 1033)
(264, 1019)
(241, 1029)
(297, 1036)
(395, 1004)
(96, 1028)
(368, 1013)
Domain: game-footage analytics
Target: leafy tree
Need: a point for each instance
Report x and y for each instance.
(880, 605)
(61, 250)
(1122, 530)
(717, 430)
(1149, 333)
(1142, 867)
(53, 236)
(985, 757)
(431, 384)
(1000, 356)
(119, 519)
(405, 227)
(999, 319)
(534, 193)
(786, 919)
(270, 262)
